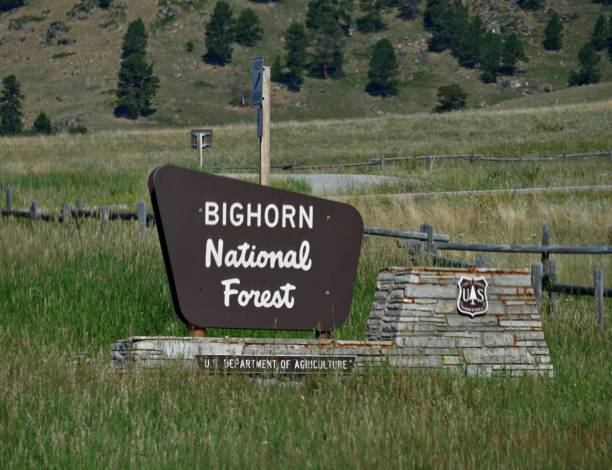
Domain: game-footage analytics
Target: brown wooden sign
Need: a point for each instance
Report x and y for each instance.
(239, 255)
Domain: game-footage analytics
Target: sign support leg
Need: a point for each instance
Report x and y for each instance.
(264, 140)
(200, 151)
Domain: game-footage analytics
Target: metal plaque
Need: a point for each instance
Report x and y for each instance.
(257, 81)
(291, 365)
(472, 298)
(240, 255)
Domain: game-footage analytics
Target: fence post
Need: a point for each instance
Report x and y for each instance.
(599, 299)
(33, 211)
(545, 243)
(141, 211)
(536, 281)
(104, 218)
(479, 261)
(9, 201)
(79, 209)
(382, 162)
(552, 277)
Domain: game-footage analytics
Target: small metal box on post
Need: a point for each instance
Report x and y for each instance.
(201, 139)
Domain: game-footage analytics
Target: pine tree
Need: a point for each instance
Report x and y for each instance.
(552, 33)
(10, 107)
(6, 5)
(136, 84)
(42, 125)
(451, 97)
(599, 38)
(512, 51)
(276, 72)
(372, 21)
(589, 67)
(407, 9)
(383, 70)
(135, 39)
(325, 19)
(610, 38)
(219, 35)
(490, 54)
(468, 45)
(530, 4)
(296, 43)
(248, 31)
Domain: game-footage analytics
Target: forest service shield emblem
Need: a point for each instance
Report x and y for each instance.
(472, 297)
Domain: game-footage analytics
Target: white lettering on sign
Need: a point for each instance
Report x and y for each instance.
(258, 215)
(261, 299)
(248, 256)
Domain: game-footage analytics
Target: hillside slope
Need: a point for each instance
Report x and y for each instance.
(77, 79)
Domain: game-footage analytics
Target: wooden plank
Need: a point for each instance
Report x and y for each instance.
(494, 248)
(395, 233)
(264, 143)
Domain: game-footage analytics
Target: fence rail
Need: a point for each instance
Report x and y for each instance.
(424, 247)
(383, 160)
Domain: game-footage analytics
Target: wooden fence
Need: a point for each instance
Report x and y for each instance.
(383, 160)
(423, 246)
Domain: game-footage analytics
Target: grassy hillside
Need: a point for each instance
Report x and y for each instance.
(77, 80)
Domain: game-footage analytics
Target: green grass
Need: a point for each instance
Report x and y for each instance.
(66, 294)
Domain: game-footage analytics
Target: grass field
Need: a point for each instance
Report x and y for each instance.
(66, 294)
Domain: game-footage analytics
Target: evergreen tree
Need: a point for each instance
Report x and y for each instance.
(552, 33)
(599, 38)
(530, 4)
(104, 4)
(319, 13)
(42, 125)
(383, 70)
(372, 21)
(469, 42)
(248, 29)
(490, 54)
(296, 43)
(135, 39)
(511, 52)
(610, 38)
(136, 84)
(10, 107)
(325, 19)
(276, 72)
(6, 5)
(219, 35)
(451, 97)
(589, 67)
(407, 9)
(433, 10)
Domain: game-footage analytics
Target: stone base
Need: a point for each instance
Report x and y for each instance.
(414, 323)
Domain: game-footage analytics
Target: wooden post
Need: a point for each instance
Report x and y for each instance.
(382, 162)
(33, 211)
(79, 209)
(197, 332)
(552, 273)
(141, 211)
(104, 218)
(546, 242)
(599, 299)
(264, 140)
(479, 261)
(200, 151)
(536, 281)
(9, 200)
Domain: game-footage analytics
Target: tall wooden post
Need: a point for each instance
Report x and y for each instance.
(264, 140)
(200, 151)
(536, 280)
(599, 299)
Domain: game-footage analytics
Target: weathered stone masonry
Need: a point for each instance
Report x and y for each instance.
(416, 308)
(414, 323)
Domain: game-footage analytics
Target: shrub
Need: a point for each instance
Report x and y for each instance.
(451, 97)
(42, 125)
